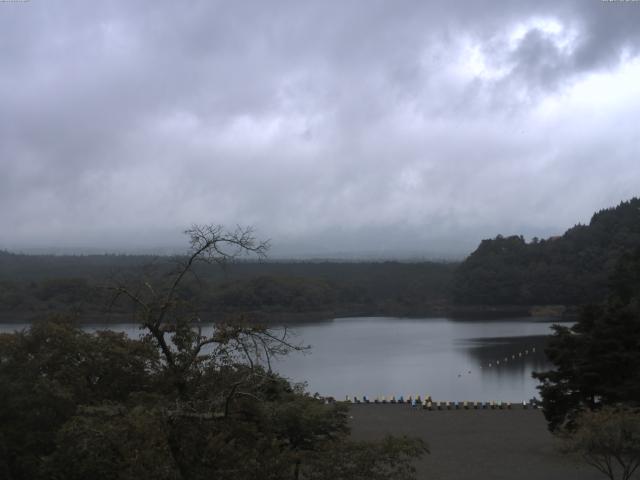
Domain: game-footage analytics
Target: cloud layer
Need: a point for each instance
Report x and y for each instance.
(355, 127)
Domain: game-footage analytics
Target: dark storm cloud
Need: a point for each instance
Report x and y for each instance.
(331, 126)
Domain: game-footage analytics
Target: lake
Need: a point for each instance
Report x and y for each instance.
(451, 360)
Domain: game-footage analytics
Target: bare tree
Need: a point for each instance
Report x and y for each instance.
(176, 327)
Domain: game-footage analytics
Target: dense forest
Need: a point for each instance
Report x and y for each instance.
(32, 285)
(572, 269)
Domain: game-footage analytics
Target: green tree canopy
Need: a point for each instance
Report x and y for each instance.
(597, 360)
(571, 269)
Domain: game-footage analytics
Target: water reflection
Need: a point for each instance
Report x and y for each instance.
(513, 354)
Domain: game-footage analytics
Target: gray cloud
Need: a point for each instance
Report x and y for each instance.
(354, 126)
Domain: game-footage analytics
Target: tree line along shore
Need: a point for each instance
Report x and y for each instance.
(504, 276)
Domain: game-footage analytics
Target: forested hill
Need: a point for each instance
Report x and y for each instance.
(571, 270)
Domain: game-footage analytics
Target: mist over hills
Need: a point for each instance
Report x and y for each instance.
(571, 269)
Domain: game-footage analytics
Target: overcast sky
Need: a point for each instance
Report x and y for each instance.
(391, 128)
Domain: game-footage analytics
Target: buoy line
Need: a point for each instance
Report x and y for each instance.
(506, 359)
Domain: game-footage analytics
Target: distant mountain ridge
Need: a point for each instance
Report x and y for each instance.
(572, 269)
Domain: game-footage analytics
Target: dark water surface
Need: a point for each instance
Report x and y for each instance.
(448, 359)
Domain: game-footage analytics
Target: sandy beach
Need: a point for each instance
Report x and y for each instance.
(474, 444)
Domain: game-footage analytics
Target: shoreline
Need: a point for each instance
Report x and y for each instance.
(473, 313)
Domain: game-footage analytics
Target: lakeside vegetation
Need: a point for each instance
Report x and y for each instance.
(33, 286)
(503, 276)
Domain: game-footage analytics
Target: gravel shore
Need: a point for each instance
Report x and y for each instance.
(474, 444)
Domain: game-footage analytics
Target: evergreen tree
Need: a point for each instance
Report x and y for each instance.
(597, 360)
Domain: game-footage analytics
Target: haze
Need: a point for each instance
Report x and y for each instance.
(336, 128)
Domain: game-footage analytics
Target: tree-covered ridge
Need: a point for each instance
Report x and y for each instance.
(572, 269)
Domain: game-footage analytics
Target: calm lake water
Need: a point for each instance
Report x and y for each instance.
(448, 359)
